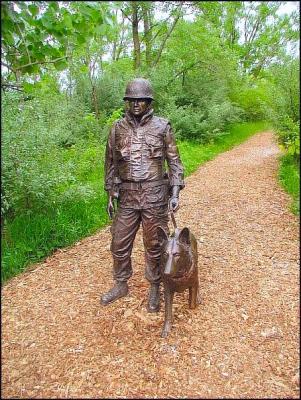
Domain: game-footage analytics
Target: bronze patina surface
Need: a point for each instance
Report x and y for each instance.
(179, 269)
(144, 175)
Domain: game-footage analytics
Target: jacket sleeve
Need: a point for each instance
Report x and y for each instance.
(109, 164)
(175, 167)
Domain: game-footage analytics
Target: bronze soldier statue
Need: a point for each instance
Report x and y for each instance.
(137, 148)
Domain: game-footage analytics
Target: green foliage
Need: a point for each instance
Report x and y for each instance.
(289, 175)
(117, 114)
(284, 113)
(108, 122)
(201, 124)
(34, 131)
(253, 98)
(289, 134)
(78, 210)
(29, 238)
(35, 33)
(112, 84)
(31, 167)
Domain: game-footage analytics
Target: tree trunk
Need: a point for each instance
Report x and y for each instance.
(115, 43)
(114, 50)
(95, 101)
(94, 97)
(121, 40)
(147, 34)
(136, 41)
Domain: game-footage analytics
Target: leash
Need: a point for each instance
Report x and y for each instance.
(172, 215)
(116, 178)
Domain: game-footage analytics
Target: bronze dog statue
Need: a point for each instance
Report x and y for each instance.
(179, 269)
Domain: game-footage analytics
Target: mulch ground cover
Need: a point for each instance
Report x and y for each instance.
(241, 342)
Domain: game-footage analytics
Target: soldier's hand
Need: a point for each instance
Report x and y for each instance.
(111, 207)
(174, 199)
(174, 204)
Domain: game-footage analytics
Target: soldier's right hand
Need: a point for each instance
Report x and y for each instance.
(111, 207)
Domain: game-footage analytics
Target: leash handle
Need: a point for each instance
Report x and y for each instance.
(173, 218)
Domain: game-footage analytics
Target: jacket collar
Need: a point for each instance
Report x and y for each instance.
(145, 118)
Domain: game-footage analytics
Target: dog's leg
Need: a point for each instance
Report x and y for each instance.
(168, 297)
(194, 296)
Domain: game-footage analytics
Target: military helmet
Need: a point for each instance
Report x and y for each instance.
(139, 88)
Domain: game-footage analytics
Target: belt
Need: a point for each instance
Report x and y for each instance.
(143, 184)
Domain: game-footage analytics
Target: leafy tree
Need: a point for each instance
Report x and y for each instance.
(35, 34)
(254, 30)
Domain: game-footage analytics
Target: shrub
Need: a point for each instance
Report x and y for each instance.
(288, 134)
(32, 164)
(201, 125)
(35, 137)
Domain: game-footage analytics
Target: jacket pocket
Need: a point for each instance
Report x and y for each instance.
(155, 146)
(122, 141)
(123, 153)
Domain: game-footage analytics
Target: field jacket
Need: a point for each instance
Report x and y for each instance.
(142, 151)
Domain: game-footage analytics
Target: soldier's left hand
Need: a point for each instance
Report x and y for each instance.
(174, 204)
(111, 207)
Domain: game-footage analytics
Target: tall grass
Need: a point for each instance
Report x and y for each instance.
(30, 237)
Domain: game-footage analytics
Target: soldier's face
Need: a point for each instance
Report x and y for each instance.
(137, 107)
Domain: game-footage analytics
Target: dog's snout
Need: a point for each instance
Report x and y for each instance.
(168, 270)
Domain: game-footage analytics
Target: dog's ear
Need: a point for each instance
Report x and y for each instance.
(184, 236)
(162, 235)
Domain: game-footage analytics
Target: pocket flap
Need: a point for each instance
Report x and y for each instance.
(153, 141)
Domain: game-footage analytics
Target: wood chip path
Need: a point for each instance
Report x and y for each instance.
(241, 342)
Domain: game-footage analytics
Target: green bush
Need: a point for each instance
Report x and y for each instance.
(77, 209)
(254, 99)
(36, 134)
(117, 114)
(289, 175)
(288, 133)
(32, 164)
(202, 125)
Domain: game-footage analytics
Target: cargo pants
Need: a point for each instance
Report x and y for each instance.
(135, 209)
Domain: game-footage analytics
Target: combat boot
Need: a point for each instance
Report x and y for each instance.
(120, 289)
(153, 304)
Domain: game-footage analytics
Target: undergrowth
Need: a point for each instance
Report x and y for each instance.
(289, 176)
(32, 236)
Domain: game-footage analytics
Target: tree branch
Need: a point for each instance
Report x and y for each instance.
(167, 36)
(254, 31)
(189, 67)
(126, 16)
(25, 44)
(13, 86)
(160, 29)
(41, 62)
(7, 66)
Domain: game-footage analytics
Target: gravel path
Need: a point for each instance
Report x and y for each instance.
(241, 342)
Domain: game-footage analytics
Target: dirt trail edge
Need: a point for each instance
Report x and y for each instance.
(243, 339)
